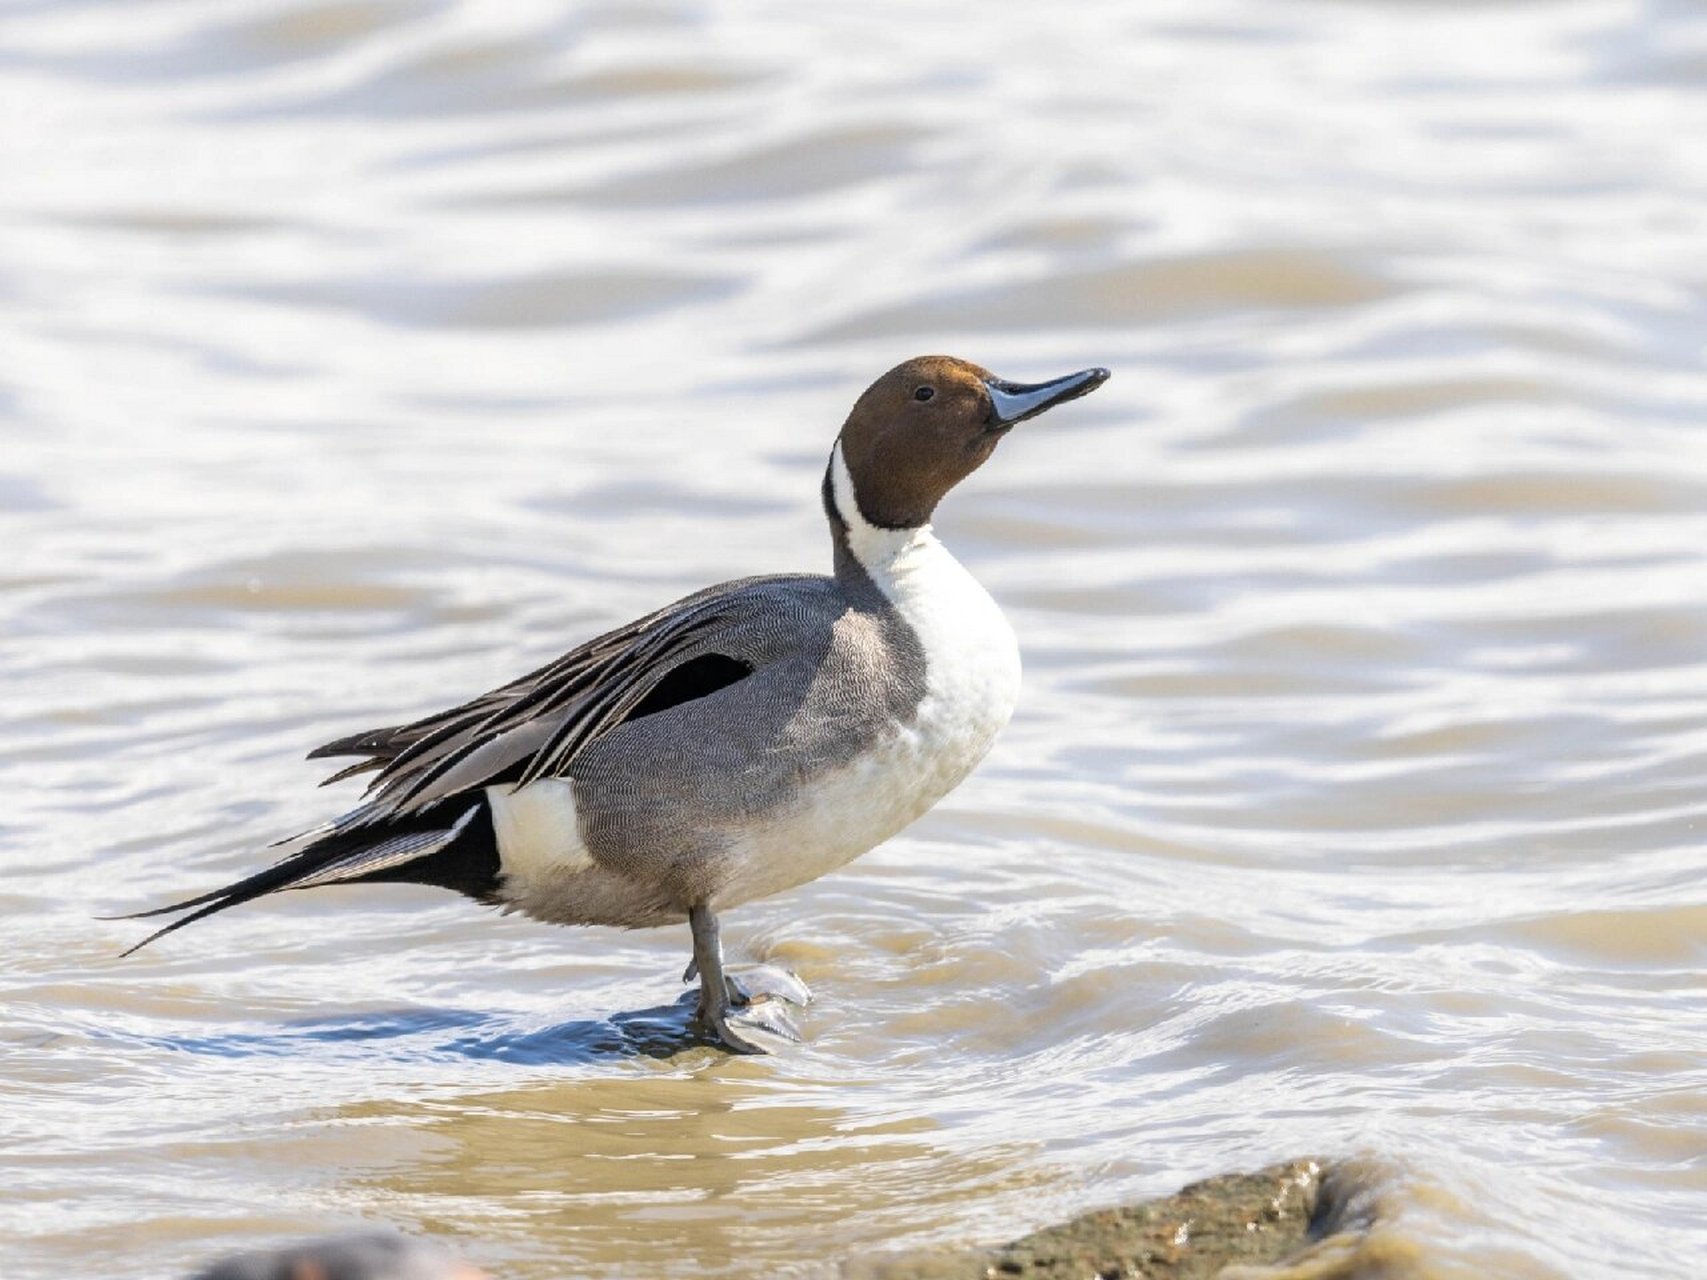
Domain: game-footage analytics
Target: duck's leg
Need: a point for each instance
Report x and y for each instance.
(725, 1011)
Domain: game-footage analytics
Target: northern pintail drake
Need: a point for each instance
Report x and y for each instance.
(739, 742)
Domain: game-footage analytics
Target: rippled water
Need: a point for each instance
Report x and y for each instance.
(358, 354)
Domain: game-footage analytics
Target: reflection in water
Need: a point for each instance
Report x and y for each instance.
(718, 1165)
(415, 1034)
(361, 353)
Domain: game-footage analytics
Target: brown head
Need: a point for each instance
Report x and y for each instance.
(930, 422)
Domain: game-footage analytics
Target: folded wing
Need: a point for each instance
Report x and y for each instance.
(423, 817)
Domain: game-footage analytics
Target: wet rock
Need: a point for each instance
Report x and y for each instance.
(1252, 1219)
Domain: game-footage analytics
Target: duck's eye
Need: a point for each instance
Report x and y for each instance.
(924, 393)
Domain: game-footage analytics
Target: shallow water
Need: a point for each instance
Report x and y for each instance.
(359, 354)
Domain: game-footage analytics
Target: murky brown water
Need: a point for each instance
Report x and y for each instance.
(358, 354)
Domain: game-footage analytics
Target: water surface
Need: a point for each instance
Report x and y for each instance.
(359, 354)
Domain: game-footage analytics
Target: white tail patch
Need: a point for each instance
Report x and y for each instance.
(539, 832)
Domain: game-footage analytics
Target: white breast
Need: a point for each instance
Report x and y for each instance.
(972, 676)
(972, 668)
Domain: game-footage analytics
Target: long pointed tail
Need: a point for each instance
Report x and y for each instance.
(334, 856)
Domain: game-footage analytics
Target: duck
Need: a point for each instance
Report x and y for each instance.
(735, 744)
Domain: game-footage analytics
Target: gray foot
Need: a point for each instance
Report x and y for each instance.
(760, 1027)
(742, 1012)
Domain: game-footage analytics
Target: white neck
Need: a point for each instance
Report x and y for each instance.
(971, 657)
(884, 554)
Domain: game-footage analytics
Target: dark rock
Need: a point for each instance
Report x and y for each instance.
(1249, 1218)
(372, 1256)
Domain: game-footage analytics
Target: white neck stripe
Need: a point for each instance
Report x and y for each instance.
(877, 549)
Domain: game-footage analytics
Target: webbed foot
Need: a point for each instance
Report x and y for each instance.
(743, 1012)
(760, 1027)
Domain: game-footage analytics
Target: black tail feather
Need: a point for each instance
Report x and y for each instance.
(467, 860)
(369, 742)
(185, 905)
(208, 910)
(351, 770)
(277, 876)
